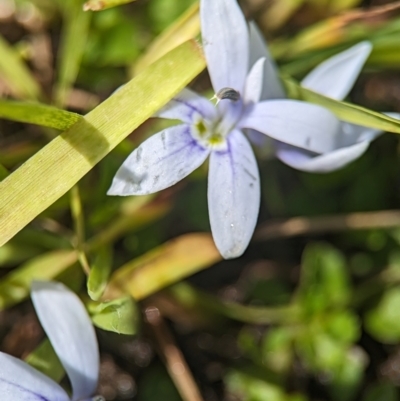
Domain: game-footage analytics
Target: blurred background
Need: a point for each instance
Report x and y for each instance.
(311, 311)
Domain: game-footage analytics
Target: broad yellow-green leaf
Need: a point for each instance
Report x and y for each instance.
(345, 111)
(17, 75)
(15, 286)
(52, 171)
(118, 315)
(162, 266)
(45, 360)
(98, 5)
(99, 273)
(184, 28)
(37, 113)
(73, 41)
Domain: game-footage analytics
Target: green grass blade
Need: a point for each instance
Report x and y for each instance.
(17, 74)
(52, 171)
(98, 5)
(73, 41)
(37, 113)
(345, 111)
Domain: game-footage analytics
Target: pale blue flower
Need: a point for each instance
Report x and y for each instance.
(334, 78)
(217, 131)
(73, 338)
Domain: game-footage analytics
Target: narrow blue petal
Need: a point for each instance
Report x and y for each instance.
(336, 76)
(226, 43)
(71, 333)
(233, 195)
(296, 123)
(20, 382)
(272, 85)
(188, 107)
(159, 162)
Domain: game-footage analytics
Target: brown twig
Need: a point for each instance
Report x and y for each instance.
(325, 224)
(173, 357)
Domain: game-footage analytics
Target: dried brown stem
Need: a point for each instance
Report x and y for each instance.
(324, 224)
(173, 357)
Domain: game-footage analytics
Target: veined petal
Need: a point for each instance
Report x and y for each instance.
(272, 86)
(159, 162)
(254, 82)
(297, 123)
(21, 382)
(233, 195)
(188, 107)
(304, 161)
(70, 331)
(336, 76)
(226, 43)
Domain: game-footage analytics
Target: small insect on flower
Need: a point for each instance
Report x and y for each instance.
(228, 94)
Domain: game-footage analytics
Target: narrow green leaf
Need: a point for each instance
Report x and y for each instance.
(52, 171)
(163, 266)
(37, 113)
(15, 286)
(17, 74)
(186, 27)
(3, 172)
(98, 5)
(45, 360)
(345, 111)
(99, 273)
(73, 41)
(120, 316)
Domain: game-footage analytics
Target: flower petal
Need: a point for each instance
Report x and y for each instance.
(159, 162)
(233, 195)
(21, 382)
(272, 86)
(69, 328)
(254, 82)
(226, 43)
(304, 161)
(336, 76)
(297, 123)
(188, 107)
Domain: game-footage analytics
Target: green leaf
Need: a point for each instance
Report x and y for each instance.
(3, 172)
(186, 27)
(15, 286)
(163, 266)
(120, 316)
(383, 322)
(324, 279)
(98, 5)
(17, 74)
(99, 273)
(247, 387)
(37, 113)
(381, 392)
(73, 41)
(277, 349)
(52, 171)
(348, 377)
(343, 110)
(45, 360)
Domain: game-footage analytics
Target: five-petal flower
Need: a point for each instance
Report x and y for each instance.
(72, 335)
(217, 132)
